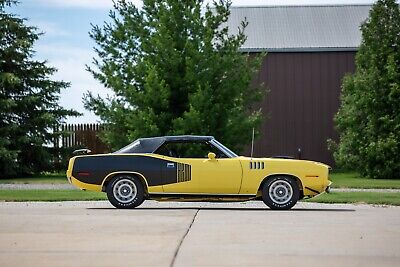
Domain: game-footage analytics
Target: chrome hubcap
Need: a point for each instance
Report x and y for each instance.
(280, 192)
(124, 190)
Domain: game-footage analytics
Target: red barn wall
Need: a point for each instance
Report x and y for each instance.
(304, 89)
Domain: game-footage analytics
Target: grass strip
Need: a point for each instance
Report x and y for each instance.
(50, 195)
(339, 179)
(77, 195)
(358, 197)
(42, 179)
(353, 180)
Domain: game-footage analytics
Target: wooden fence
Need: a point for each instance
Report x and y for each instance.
(82, 136)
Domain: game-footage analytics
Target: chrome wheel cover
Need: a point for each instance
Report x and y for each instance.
(280, 192)
(124, 190)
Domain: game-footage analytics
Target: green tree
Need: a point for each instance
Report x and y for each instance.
(369, 117)
(174, 69)
(28, 99)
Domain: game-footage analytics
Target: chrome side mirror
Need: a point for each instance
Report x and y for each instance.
(211, 156)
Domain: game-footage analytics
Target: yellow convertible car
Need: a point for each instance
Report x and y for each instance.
(195, 168)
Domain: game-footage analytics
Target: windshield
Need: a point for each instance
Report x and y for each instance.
(224, 149)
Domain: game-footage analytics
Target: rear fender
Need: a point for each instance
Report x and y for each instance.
(111, 175)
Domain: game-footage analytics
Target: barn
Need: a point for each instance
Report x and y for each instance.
(309, 51)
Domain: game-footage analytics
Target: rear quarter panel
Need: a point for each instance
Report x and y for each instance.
(98, 168)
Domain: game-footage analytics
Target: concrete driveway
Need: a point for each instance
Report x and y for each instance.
(193, 234)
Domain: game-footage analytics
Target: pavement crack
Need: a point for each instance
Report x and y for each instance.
(183, 239)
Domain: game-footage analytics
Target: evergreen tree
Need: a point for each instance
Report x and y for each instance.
(369, 117)
(174, 69)
(28, 99)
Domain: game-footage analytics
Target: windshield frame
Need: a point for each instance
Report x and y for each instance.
(224, 149)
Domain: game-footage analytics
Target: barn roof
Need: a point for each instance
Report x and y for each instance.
(300, 28)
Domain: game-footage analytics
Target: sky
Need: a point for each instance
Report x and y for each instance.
(66, 44)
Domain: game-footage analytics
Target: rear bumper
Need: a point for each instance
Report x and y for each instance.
(81, 185)
(85, 186)
(69, 170)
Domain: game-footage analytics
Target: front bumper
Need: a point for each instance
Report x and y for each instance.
(312, 191)
(328, 188)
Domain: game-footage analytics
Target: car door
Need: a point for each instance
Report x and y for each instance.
(196, 173)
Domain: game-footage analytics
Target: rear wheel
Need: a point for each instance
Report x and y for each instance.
(280, 192)
(125, 192)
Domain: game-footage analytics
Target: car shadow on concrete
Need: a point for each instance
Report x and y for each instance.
(232, 209)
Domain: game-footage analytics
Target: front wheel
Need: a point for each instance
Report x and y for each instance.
(125, 192)
(280, 192)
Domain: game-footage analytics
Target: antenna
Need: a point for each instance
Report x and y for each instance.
(252, 145)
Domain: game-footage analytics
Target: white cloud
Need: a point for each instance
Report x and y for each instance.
(91, 4)
(70, 62)
(94, 4)
(49, 28)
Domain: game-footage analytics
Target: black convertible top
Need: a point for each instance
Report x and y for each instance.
(151, 144)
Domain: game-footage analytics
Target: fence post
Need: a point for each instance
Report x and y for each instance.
(83, 135)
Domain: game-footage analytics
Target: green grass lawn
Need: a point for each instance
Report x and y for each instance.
(58, 178)
(358, 197)
(353, 180)
(339, 179)
(50, 195)
(77, 195)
